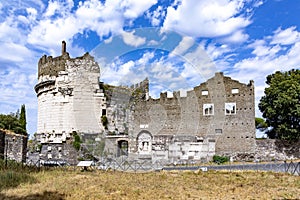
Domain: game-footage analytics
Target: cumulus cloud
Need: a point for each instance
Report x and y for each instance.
(206, 18)
(165, 73)
(183, 46)
(60, 23)
(156, 16)
(286, 37)
(10, 52)
(130, 39)
(237, 37)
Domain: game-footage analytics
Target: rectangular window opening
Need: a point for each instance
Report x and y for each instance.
(230, 108)
(234, 91)
(219, 131)
(204, 92)
(208, 109)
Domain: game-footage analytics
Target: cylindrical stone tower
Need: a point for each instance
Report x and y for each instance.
(68, 95)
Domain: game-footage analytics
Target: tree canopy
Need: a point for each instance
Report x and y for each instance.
(14, 122)
(260, 124)
(281, 105)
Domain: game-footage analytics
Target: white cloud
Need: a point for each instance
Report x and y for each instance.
(146, 58)
(32, 14)
(59, 23)
(183, 46)
(52, 8)
(261, 48)
(156, 16)
(201, 61)
(15, 53)
(130, 39)
(286, 37)
(206, 18)
(8, 27)
(237, 37)
(134, 8)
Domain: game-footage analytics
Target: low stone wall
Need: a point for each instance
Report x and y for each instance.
(13, 146)
(270, 149)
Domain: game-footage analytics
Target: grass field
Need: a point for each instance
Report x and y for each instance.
(59, 184)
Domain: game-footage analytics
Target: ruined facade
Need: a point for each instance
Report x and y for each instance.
(216, 117)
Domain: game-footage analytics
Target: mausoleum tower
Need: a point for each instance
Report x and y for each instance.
(69, 97)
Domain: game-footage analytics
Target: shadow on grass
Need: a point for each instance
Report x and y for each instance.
(44, 196)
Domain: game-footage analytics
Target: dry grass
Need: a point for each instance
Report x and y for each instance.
(157, 185)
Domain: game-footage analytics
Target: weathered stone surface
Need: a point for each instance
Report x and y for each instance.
(231, 133)
(13, 146)
(271, 149)
(69, 99)
(215, 117)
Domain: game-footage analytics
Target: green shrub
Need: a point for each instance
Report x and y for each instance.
(220, 159)
(104, 121)
(77, 141)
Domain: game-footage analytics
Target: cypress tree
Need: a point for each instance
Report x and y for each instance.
(23, 117)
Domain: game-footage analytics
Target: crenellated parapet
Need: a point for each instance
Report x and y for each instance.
(51, 66)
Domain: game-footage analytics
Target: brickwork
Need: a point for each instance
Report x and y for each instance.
(232, 132)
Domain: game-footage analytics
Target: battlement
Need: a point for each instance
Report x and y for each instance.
(219, 82)
(49, 66)
(143, 85)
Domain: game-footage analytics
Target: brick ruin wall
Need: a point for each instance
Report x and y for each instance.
(184, 115)
(13, 146)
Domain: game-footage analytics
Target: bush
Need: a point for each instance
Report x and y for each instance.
(220, 159)
(77, 141)
(104, 121)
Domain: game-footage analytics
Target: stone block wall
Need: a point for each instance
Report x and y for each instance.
(69, 96)
(13, 146)
(220, 109)
(272, 149)
(59, 152)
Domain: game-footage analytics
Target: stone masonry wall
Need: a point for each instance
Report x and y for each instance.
(234, 132)
(12, 145)
(271, 149)
(69, 99)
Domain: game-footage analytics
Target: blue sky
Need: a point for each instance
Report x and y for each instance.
(176, 43)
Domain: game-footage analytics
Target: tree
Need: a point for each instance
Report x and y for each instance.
(14, 121)
(260, 124)
(22, 118)
(281, 105)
